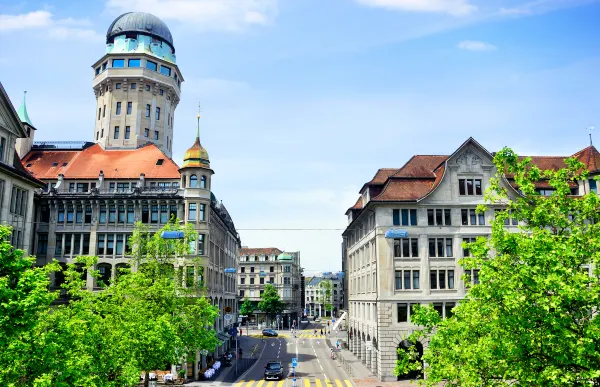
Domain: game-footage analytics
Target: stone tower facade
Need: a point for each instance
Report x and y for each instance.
(137, 85)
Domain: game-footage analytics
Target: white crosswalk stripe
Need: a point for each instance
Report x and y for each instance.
(300, 382)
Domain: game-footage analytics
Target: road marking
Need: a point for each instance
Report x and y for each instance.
(348, 383)
(257, 361)
(280, 383)
(239, 384)
(306, 382)
(260, 383)
(337, 382)
(270, 384)
(250, 383)
(318, 382)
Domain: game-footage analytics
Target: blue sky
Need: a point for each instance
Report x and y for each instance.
(303, 100)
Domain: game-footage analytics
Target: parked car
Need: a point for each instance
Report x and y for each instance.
(273, 370)
(270, 333)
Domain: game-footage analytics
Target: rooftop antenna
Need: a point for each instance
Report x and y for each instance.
(590, 128)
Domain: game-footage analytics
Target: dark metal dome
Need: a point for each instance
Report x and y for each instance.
(142, 22)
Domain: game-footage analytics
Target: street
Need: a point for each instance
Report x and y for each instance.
(315, 367)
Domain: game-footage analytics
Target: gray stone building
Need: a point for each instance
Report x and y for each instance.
(259, 267)
(17, 186)
(404, 240)
(96, 191)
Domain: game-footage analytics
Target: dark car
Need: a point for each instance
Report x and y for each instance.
(269, 333)
(273, 370)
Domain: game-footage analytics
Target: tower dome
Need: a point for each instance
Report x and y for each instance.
(140, 22)
(196, 156)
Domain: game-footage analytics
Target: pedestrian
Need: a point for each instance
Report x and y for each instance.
(241, 332)
(321, 332)
(337, 344)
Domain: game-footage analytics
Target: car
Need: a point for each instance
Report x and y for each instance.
(269, 333)
(273, 370)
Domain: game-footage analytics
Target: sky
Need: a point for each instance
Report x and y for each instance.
(303, 100)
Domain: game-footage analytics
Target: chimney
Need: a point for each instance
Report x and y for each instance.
(60, 182)
(100, 180)
(142, 182)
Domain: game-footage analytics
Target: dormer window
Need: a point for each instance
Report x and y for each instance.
(28, 165)
(160, 161)
(55, 164)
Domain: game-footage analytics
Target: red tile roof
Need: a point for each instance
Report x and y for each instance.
(382, 175)
(359, 204)
(87, 163)
(590, 157)
(421, 166)
(260, 251)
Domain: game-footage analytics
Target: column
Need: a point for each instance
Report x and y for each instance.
(355, 339)
(351, 343)
(367, 357)
(374, 360)
(363, 351)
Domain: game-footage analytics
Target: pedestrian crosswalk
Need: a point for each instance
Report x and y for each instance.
(299, 335)
(300, 382)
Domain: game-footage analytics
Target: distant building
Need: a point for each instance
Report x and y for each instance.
(259, 267)
(96, 191)
(17, 186)
(404, 240)
(316, 298)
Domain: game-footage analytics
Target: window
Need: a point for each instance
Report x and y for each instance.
(71, 187)
(147, 87)
(100, 244)
(193, 181)
(110, 244)
(133, 86)
(116, 132)
(121, 213)
(287, 269)
(157, 113)
(440, 247)
(156, 134)
(441, 279)
(243, 269)
(202, 211)
(130, 214)
(439, 217)
(127, 132)
(407, 279)
(287, 281)
(165, 70)
(593, 186)
(79, 214)
(161, 92)
(470, 217)
(102, 133)
(192, 211)
(42, 246)
(549, 192)
(472, 276)
(469, 187)
(402, 309)
(154, 214)
(134, 63)
(44, 209)
(97, 70)
(203, 181)
(112, 214)
(404, 217)
(242, 293)
(164, 213)
(406, 247)
(145, 214)
(122, 187)
(271, 269)
(251, 269)
(509, 220)
(201, 244)
(146, 132)
(147, 113)
(99, 113)
(86, 244)
(129, 108)
(102, 217)
(104, 112)
(151, 65)
(88, 214)
(251, 280)
(172, 213)
(118, 63)
(58, 247)
(119, 246)
(118, 112)
(70, 213)
(118, 85)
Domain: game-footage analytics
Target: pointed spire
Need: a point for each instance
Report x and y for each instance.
(198, 133)
(23, 111)
(590, 128)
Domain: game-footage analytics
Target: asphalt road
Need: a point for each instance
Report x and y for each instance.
(315, 367)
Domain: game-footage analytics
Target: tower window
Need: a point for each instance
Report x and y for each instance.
(104, 65)
(134, 63)
(147, 111)
(193, 181)
(127, 132)
(133, 86)
(131, 36)
(102, 133)
(116, 132)
(97, 135)
(147, 132)
(97, 70)
(156, 134)
(118, 85)
(118, 112)
(157, 113)
(129, 107)
(104, 111)
(165, 70)
(203, 181)
(118, 63)
(99, 113)
(151, 65)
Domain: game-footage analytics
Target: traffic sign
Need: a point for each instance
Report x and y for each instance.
(239, 319)
(228, 317)
(294, 362)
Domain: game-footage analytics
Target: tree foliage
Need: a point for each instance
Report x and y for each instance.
(147, 319)
(270, 302)
(326, 294)
(248, 307)
(533, 318)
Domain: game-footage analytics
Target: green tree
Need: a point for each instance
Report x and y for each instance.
(533, 318)
(24, 298)
(270, 302)
(248, 307)
(326, 295)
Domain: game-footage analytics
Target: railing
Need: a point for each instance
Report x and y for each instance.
(345, 364)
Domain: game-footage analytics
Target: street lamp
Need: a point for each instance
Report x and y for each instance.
(233, 270)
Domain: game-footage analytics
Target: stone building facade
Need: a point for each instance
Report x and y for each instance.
(96, 191)
(314, 300)
(17, 186)
(404, 240)
(259, 267)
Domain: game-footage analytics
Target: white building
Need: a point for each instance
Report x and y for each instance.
(316, 297)
(432, 199)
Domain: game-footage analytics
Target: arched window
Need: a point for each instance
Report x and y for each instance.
(193, 181)
(203, 181)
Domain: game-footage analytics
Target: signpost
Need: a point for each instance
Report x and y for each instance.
(294, 362)
(228, 317)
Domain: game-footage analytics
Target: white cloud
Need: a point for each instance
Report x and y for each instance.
(452, 7)
(36, 19)
(542, 6)
(44, 21)
(475, 45)
(204, 14)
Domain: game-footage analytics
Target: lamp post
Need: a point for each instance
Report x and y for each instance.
(233, 270)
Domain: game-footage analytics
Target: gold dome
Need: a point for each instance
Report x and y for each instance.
(196, 156)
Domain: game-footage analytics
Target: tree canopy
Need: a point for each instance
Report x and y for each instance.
(248, 307)
(326, 294)
(533, 318)
(270, 302)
